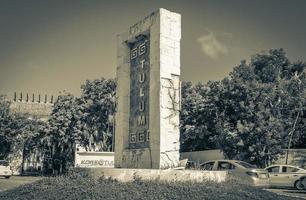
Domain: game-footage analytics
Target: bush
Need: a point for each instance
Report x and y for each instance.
(84, 187)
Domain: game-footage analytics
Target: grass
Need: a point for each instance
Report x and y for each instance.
(75, 187)
(15, 181)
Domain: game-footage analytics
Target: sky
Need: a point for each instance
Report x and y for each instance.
(47, 46)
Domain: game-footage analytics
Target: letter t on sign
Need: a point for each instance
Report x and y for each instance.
(142, 63)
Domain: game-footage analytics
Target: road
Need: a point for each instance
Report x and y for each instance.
(291, 193)
(15, 181)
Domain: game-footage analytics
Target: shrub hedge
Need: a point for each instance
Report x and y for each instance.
(76, 187)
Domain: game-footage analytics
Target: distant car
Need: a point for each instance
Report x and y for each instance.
(5, 170)
(240, 169)
(286, 176)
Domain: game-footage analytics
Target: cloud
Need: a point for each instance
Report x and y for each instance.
(212, 47)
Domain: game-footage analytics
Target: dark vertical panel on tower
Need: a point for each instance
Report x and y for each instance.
(139, 93)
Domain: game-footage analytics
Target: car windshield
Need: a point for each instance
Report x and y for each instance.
(245, 164)
(4, 163)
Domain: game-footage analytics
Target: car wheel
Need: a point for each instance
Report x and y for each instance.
(303, 180)
(298, 185)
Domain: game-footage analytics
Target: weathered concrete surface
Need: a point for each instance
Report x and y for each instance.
(163, 28)
(127, 175)
(89, 159)
(41, 111)
(202, 156)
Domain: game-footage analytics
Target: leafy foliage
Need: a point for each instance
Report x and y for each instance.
(5, 119)
(249, 114)
(198, 115)
(60, 138)
(95, 110)
(261, 101)
(16, 128)
(86, 120)
(87, 188)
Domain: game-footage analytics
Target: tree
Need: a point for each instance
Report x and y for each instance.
(60, 136)
(250, 114)
(96, 108)
(17, 134)
(5, 119)
(260, 101)
(198, 115)
(86, 120)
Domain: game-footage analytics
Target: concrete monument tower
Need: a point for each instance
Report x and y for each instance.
(148, 93)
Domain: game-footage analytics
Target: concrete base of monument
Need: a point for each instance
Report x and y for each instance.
(127, 175)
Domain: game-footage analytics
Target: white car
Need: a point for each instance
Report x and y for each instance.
(286, 176)
(5, 169)
(243, 170)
